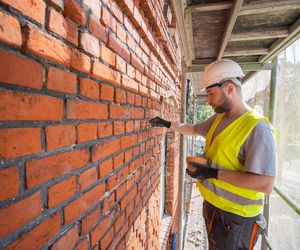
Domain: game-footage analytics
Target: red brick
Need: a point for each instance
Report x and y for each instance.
(138, 100)
(145, 102)
(129, 126)
(34, 9)
(7, 177)
(121, 189)
(86, 132)
(60, 192)
(144, 80)
(120, 64)
(74, 11)
(138, 51)
(145, 59)
(86, 110)
(61, 81)
(101, 228)
(117, 46)
(149, 73)
(108, 56)
(18, 142)
(119, 127)
(130, 71)
(120, 222)
(145, 47)
(107, 239)
(119, 112)
(14, 70)
(127, 198)
(94, 6)
(129, 83)
(83, 203)
(129, 208)
(10, 32)
(137, 16)
(45, 46)
(59, 25)
(60, 136)
(106, 148)
(90, 44)
(89, 88)
(128, 141)
(68, 240)
(116, 11)
(105, 168)
(80, 61)
(57, 4)
(108, 20)
(127, 5)
(121, 33)
(11, 218)
(102, 72)
(107, 93)
(131, 43)
(143, 136)
(132, 30)
(130, 97)
(137, 63)
(87, 178)
(116, 179)
(118, 160)
(143, 90)
(38, 236)
(98, 30)
(138, 76)
(90, 220)
(137, 125)
(120, 96)
(51, 167)
(105, 129)
(118, 242)
(128, 153)
(83, 244)
(17, 106)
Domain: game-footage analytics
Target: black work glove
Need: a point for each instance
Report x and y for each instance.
(159, 122)
(203, 172)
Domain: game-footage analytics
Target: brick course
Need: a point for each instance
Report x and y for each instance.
(80, 164)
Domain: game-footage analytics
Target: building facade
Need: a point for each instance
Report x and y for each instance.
(80, 167)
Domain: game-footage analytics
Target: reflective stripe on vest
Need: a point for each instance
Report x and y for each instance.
(230, 196)
(224, 152)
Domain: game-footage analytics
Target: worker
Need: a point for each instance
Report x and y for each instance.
(240, 160)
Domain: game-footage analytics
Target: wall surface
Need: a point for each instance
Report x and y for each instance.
(79, 163)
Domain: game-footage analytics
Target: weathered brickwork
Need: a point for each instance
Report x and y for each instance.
(79, 164)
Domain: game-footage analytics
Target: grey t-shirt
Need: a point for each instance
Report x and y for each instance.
(258, 153)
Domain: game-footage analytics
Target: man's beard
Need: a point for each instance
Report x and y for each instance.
(224, 106)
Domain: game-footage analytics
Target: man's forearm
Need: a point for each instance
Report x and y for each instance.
(261, 183)
(186, 129)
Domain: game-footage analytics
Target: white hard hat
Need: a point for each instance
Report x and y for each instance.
(220, 70)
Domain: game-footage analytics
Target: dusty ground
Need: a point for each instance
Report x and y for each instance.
(195, 233)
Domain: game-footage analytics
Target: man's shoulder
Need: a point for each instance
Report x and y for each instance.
(263, 129)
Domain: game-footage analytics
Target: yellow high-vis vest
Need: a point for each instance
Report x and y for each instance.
(224, 152)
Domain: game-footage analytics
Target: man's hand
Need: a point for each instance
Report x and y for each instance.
(159, 122)
(203, 172)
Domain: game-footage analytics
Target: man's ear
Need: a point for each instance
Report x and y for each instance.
(229, 88)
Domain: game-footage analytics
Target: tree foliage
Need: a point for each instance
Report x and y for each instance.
(203, 111)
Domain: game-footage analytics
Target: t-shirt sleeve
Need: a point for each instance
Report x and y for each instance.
(203, 128)
(260, 150)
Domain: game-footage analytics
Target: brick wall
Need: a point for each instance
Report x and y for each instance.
(79, 164)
